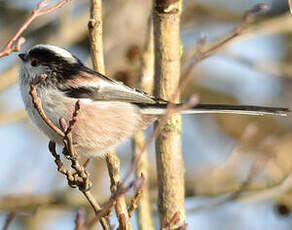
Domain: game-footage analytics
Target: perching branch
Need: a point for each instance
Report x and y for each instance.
(80, 178)
(39, 11)
(38, 104)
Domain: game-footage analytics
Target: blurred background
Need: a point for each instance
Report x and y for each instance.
(237, 168)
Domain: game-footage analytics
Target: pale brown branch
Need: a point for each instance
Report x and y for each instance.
(51, 9)
(171, 110)
(136, 198)
(201, 54)
(107, 207)
(80, 178)
(66, 199)
(39, 11)
(113, 165)
(66, 36)
(169, 160)
(95, 35)
(38, 104)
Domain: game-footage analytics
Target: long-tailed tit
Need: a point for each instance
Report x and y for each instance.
(110, 111)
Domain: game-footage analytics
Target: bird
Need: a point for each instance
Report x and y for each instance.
(110, 111)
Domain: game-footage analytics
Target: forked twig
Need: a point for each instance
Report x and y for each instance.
(108, 206)
(39, 11)
(80, 178)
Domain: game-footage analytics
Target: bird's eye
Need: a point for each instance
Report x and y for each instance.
(34, 62)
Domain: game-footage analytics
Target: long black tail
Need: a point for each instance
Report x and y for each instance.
(159, 109)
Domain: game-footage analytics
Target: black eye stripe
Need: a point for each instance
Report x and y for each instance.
(63, 67)
(45, 55)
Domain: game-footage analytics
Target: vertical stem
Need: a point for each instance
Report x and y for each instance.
(166, 19)
(113, 165)
(95, 35)
(113, 162)
(96, 47)
(145, 83)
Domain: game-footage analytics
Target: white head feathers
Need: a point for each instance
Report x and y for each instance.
(57, 50)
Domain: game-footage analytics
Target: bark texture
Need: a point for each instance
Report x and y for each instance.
(166, 18)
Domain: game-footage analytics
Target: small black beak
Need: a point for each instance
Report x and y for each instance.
(22, 56)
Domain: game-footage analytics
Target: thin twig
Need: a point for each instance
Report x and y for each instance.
(202, 53)
(136, 198)
(39, 11)
(80, 178)
(172, 109)
(113, 165)
(107, 207)
(38, 104)
(8, 220)
(79, 220)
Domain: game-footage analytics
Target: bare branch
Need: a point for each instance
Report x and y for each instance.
(137, 196)
(204, 52)
(80, 178)
(95, 35)
(39, 11)
(38, 104)
(107, 207)
(8, 220)
(113, 165)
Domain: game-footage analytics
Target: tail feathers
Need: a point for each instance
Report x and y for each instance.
(159, 109)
